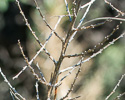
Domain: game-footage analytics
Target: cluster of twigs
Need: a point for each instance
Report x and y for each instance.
(55, 82)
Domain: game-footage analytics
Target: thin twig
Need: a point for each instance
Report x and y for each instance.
(85, 5)
(38, 8)
(97, 45)
(41, 73)
(96, 25)
(64, 47)
(74, 98)
(94, 55)
(96, 19)
(11, 93)
(14, 95)
(117, 85)
(72, 85)
(60, 16)
(66, 74)
(40, 50)
(119, 96)
(11, 87)
(32, 70)
(18, 74)
(67, 9)
(103, 18)
(81, 20)
(84, 15)
(37, 91)
(33, 33)
(91, 26)
(122, 13)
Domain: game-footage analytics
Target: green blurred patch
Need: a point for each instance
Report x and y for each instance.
(49, 4)
(3, 5)
(113, 61)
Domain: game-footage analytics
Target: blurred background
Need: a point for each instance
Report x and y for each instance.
(98, 76)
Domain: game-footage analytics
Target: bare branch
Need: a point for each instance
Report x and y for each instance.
(55, 82)
(74, 98)
(117, 85)
(15, 93)
(32, 70)
(67, 9)
(41, 73)
(72, 85)
(12, 95)
(38, 8)
(94, 55)
(119, 96)
(37, 91)
(41, 49)
(81, 20)
(83, 54)
(103, 18)
(33, 33)
(122, 13)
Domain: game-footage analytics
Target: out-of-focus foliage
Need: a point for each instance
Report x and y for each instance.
(112, 63)
(3, 5)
